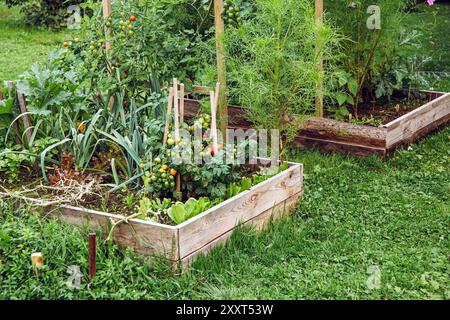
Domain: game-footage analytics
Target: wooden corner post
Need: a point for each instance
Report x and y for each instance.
(319, 54)
(222, 107)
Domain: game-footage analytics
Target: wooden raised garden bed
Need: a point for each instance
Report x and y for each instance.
(268, 200)
(338, 136)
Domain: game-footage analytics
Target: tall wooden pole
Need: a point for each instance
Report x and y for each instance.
(106, 14)
(222, 107)
(319, 48)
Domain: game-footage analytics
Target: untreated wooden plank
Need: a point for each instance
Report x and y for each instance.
(339, 131)
(432, 127)
(210, 225)
(409, 125)
(336, 146)
(144, 237)
(260, 222)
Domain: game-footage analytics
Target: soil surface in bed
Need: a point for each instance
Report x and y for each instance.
(380, 114)
(121, 202)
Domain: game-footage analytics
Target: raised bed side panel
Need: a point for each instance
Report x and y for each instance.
(260, 222)
(200, 233)
(337, 136)
(144, 237)
(419, 122)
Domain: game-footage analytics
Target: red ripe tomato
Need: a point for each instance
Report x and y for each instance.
(204, 136)
(132, 18)
(212, 152)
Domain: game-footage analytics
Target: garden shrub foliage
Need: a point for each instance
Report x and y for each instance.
(45, 13)
(372, 65)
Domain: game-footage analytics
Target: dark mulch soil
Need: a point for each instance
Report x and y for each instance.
(383, 112)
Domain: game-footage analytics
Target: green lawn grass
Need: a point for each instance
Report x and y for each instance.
(356, 214)
(21, 45)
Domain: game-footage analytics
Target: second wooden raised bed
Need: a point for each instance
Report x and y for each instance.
(331, 135)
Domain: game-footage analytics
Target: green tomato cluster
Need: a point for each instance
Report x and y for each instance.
(232, 13)
(203, 121)
(160, 177)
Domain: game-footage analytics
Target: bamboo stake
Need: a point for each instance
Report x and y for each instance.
(221, 66)
(169, 111)
(92, 255)
(15, 125)
(213, 121)
(176, 112)
(319, 85)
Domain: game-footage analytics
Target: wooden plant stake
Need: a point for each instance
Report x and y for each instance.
(106, 15)
(37, 261)
(92, 255)
(169, 111)
(26, 117)
(221, 66)
(319, 44)
(217, 95)
(15, 125)
(182, 102)
(213, 121)
(176, 110)
(178, 177)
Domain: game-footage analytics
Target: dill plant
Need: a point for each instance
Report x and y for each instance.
(272, 63)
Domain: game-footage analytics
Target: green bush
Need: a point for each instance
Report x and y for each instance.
(371, 66)
(45, 13)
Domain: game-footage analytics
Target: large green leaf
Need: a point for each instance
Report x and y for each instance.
(177, 213)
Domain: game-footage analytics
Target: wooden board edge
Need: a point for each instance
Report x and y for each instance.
(260, 222)
(224, 217)
(330, 146)
(397, 121)
(421, 133)
(134, 234)
(289, 171)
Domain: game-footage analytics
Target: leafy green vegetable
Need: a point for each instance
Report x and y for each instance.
(181, 212)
